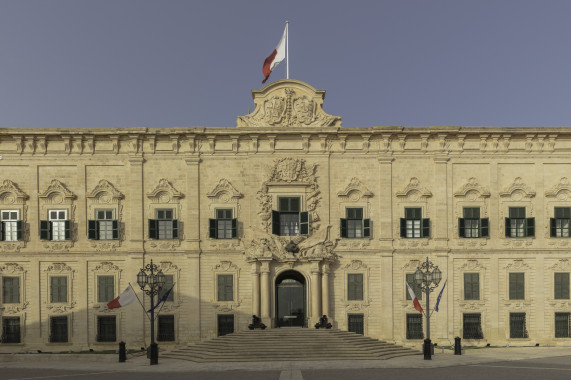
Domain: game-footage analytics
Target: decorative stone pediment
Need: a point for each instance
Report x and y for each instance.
(225, 266)
(355, 190)
(517, 265)
(290, 104)
(561, 264)
(355, 265)
(411, 265)
(225, 191)
(11, 268)
(561, 191)
(518, 189)
(164, 192)
(11, 193)
(106, 266)
(473, 264)
(472, 187)
(414, 188)
(58, 192)
(59, 268)
(105, 191)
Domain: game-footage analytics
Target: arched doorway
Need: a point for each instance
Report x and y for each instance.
(290, 300)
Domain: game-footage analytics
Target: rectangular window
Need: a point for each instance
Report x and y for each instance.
(11, 225)
(108, 227)
(58, 289)
(517, 225)
(105, 288)
(165, 324)
(413, 225)
(225, 287)
(560, 223)
(10, 329)
(354, 226)
(169, 282)
(58, 330)
(471, 225)
(518, 327)
(11, 289)
(355, 286)
(472, 326)
(517, 286)
(289, 209)
(414, 326)
(58, 220)
(356, 323)
(471, 286)
(106, 329)
(562, 325)
(415, 288)
(165, 226)
(561, 282)
(224, 226)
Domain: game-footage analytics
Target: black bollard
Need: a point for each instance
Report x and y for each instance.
(122, 352)
(457, 346)
(154, 354)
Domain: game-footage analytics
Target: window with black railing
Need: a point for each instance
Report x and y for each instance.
(356, 323)
(562, 325)
(518, 328)
(10, 330)
(58, 329)
(472, 326)
(106, 329)
(165, 328)
(414, 326)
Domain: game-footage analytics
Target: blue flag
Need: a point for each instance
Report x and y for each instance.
(439, 296)
(162, 299)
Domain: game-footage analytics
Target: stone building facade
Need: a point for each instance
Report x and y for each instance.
(287, 216)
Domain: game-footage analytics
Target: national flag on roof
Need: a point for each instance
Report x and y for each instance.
(124, 299)
(276, 57)
(415, 302)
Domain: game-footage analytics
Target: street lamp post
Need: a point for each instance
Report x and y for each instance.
(427, 277)
(151, 280)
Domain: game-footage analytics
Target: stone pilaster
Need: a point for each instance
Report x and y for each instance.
(255, 289)
(136, 203)
(265, 295)
(192, 210)
(315, 292)
(325, 289)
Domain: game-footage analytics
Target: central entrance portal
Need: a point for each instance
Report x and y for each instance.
(290, 299)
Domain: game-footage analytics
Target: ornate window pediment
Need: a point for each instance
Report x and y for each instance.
(518, 189)
(472, 187)
(414, 188)
(355, 190)
(57, 192)
(224, 191)
(561, 191)
(105, 191)
(11, 193)
(164, 192)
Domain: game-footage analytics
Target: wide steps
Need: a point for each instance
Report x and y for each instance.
(290, 345)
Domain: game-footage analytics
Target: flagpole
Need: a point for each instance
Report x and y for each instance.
(287, 49)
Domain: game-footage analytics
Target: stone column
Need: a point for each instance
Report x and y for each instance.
(315, 292)
(265, 295)
(255, 289)
(136, 205)
(325, 289)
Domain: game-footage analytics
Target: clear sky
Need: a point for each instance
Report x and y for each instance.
(169, 63)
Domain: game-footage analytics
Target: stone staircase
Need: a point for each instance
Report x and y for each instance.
(289, 344)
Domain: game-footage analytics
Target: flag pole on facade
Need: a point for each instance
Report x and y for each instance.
(287, 49)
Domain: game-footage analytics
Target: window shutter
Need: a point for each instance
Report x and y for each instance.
(19, 230)
(212, 228)
(175, 228)
(425, 227)
(67, 225)
(153, 229)
(552, 228)
(234, 227)
(304, 223)
(93, 229)
(343, 225)
(461, 227)
(507, 227)
(366, 227)
(485, 227)
(2, 237)
(402, 227)
(530, 227)
(476, 286)
(115, 229)
(275, 222)
(45, 230)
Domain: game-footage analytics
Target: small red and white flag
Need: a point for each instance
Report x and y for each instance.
(415, 300)
(276, 57)
(124, 299)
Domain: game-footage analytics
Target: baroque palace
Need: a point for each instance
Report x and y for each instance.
(288, 216)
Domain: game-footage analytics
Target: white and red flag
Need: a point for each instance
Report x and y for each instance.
(276, 57)
(413, 297)
(124, 299)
